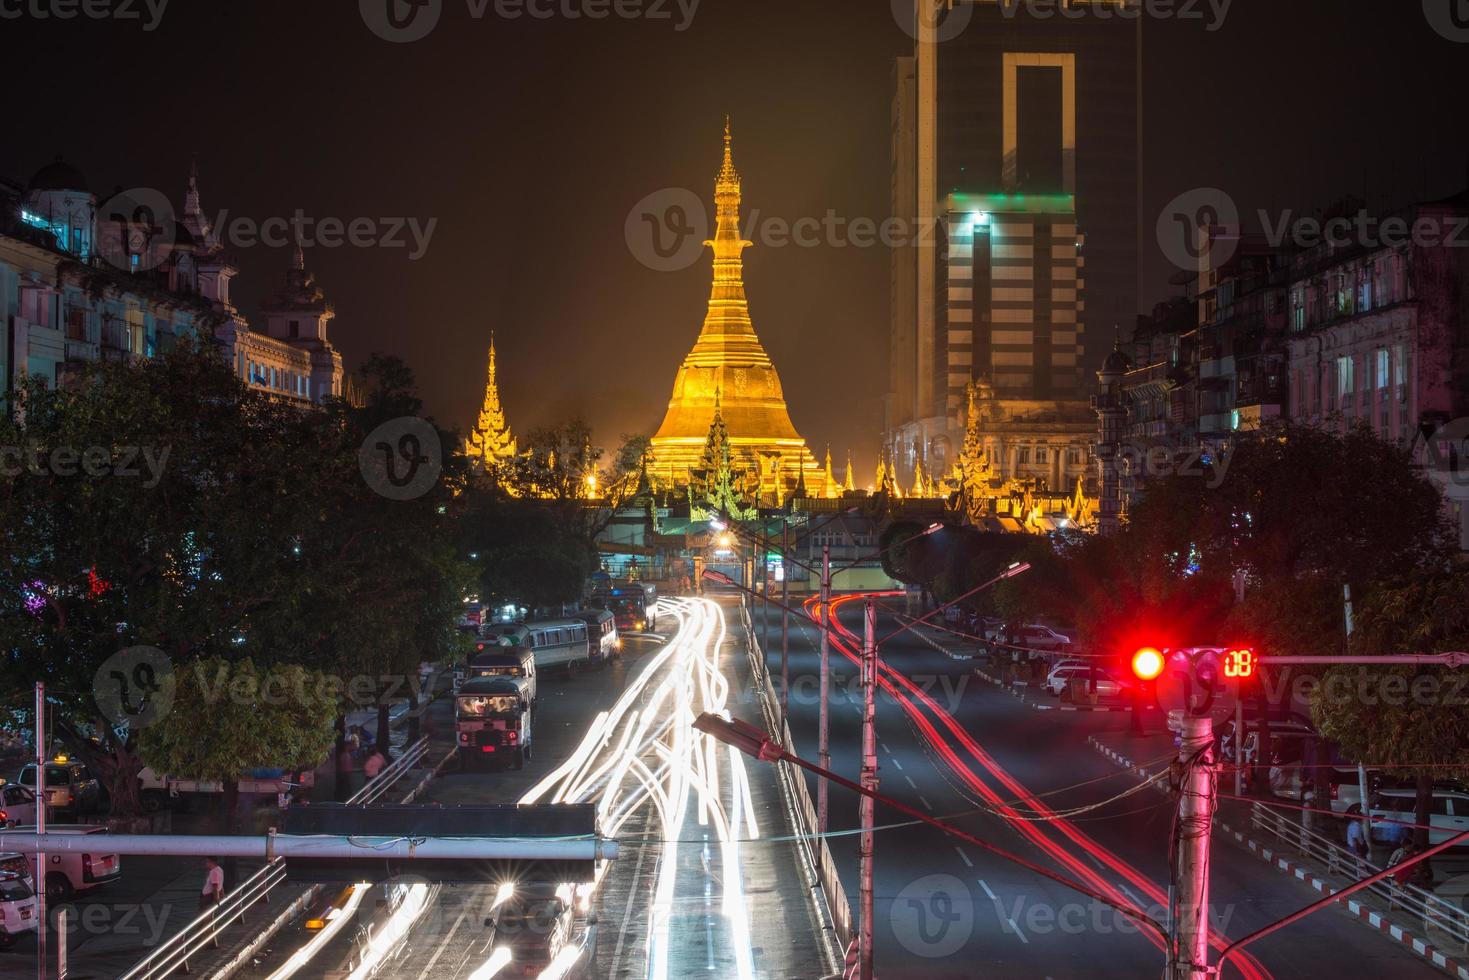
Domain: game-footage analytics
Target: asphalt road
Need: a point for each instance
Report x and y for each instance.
(945, 909)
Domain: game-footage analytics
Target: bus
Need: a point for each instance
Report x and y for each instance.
(506, 660)
(633, 604)
(559, 643)
(492, 723)
(603, 643)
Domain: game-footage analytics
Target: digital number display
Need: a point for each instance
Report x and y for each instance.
(1239, 663)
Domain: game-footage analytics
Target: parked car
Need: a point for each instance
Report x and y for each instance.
(1294, 728)
(1448, 813)
(16, 863)
(17, 805)
(1108, 685)
(71, 789)
(1039, 638)
(18, 912)
(75, 871)
(1290, 780)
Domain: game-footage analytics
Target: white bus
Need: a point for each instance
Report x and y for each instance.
(559, 643)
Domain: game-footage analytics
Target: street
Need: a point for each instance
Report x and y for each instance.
(942, 906)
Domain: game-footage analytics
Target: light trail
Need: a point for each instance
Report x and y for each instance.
(645, 752)
(319, 941)
(895, 684)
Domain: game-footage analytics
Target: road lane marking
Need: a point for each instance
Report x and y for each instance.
(911, 783)
(926, 805)
(885, 748)
(1000, 910)
(443, 945)
(897, 765)
(967, 863)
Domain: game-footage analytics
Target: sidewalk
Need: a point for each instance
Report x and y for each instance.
(1142, 755)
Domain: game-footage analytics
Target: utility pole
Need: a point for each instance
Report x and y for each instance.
(869, 783)
(765, 591)
(1190, 924)
(823, 738)
(40, 865)
(785, 619)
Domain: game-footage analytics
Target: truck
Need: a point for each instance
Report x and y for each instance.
(492, 722)
(633, 604)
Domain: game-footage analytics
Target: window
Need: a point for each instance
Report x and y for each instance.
(295, 329)
(1343, 379)
(1041, 455)
(1400, 366)
(1364, 288)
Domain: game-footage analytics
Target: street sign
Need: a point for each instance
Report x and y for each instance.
(719, 577)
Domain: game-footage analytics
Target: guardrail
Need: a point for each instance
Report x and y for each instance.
(793, 782)
(173, 956)
(1439, 917)
(391, 773)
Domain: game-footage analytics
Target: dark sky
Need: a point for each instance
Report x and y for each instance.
(530, 140)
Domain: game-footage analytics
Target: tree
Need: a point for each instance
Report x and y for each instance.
(1410, 720)
(229, 716)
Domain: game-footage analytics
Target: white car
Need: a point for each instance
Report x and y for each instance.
(1108, 686)
(72, 871)
(18, 912)
(1039, 638)
(17, 805)
(1448, 812)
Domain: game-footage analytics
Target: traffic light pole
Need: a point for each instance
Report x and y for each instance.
(1190, 923)
(823, 738)
(869, 784)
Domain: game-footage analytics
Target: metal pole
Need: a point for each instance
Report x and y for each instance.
(823, 738)
(40, 865)
(61, 965)
(1239, 738)
(1190, 953)
(869, 781)
(785, 620)
(1346, 596)
(765, 591)
(327, 846)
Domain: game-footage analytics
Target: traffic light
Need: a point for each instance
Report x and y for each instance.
(1239, 664)
(1147, 663)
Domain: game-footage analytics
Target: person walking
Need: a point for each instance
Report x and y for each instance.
(1357, 840)
(374, 764)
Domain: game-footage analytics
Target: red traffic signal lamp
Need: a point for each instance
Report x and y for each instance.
(1148, 663)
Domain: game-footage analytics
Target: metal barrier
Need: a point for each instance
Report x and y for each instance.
(391, 773)
(1440, 917)
(793, 782)
(173, 956)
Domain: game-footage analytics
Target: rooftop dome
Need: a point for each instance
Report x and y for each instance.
(58, 175)
(1117, 362)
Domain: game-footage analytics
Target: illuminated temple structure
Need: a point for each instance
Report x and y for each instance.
(729, 374)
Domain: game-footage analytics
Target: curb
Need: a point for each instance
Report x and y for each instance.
(1370, 916)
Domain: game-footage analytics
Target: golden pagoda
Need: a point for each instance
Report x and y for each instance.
(490, 442)
(728, 365)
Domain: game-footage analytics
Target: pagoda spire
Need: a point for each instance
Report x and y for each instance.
(491, 441)
(828, 478)
(849, 484)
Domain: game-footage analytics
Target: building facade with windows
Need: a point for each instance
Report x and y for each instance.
(82, 282)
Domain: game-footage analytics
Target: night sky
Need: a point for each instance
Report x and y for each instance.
(530, 141)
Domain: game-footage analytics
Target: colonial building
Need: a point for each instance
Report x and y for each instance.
(728, 370)
(79, 282)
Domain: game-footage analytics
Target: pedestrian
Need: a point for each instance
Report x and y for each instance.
(374, 763)
(1357, 838)
(213, 884)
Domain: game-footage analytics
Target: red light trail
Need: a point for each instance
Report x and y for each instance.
(891, 681)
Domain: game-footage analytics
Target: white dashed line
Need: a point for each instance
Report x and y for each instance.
(897, 765)
(1001, 910)
(967, 863)
(926, 805)
(911, 783)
